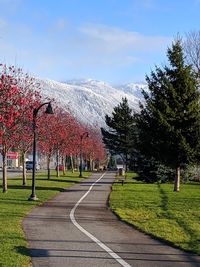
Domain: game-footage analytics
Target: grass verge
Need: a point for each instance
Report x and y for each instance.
(157, 210)
(14, 205)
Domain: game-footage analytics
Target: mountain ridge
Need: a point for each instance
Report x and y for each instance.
(90, 100)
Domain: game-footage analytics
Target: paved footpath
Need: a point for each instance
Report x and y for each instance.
(76, 228)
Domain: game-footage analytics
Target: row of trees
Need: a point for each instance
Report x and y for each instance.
(166, 130)
(56, 134)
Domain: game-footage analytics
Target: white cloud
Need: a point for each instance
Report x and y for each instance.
(101, 61)
(148, 4)
(10, 6)
(60, 25)
(3, 23)
(89, 48)
(117, 39)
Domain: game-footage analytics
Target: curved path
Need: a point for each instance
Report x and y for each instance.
(76, 228)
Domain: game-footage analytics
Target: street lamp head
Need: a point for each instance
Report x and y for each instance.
(49, 109)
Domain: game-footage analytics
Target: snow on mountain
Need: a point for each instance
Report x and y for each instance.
(90, 100)
(133, 88)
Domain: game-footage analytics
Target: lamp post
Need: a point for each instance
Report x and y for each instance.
(84, 135)
(35, 112)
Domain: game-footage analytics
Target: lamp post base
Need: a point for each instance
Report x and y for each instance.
(33, 198)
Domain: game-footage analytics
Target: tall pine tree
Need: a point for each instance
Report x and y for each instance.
(119, 136)
(169, 121)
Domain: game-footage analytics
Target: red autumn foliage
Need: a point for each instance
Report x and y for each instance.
(61, 132)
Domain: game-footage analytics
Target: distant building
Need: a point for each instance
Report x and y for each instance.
(12, 160)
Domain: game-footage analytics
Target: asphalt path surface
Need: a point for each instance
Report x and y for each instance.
(76, 228)
(11, 173)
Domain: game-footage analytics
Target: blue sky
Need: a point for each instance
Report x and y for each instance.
(115, 41)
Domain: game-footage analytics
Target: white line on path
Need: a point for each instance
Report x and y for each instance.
(93, 238)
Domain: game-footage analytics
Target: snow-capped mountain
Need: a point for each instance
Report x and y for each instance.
(133, 89)
(90, 100)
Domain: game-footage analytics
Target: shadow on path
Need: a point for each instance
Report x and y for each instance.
(97, 255)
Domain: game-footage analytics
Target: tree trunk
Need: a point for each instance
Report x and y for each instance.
(58, 171)
(63, 163)
(72, 163)
(24, 168)
(98, 168)
(66, 163)
(48, 167)
(91, 165)
(5, 185)
(177, 180)
(126, 163)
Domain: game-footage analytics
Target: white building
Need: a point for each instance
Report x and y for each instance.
(12, 160)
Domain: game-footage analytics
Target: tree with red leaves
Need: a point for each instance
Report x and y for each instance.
(48, 135)
(18, 96)
(94, 150)
(23, 138)
(11, 102)
(54, 135)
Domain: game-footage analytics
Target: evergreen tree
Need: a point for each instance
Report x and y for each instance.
(119, 138)
(169, 122)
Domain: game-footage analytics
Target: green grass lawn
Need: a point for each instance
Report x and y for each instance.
(14, 205)
(157, 210)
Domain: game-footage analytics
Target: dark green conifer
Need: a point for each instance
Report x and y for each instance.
(118, 137)
(169, 122)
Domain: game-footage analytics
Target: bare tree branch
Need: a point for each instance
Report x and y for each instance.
(192, 50)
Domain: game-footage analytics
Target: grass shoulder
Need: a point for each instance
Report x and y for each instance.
(160, 212)
(14, 205)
